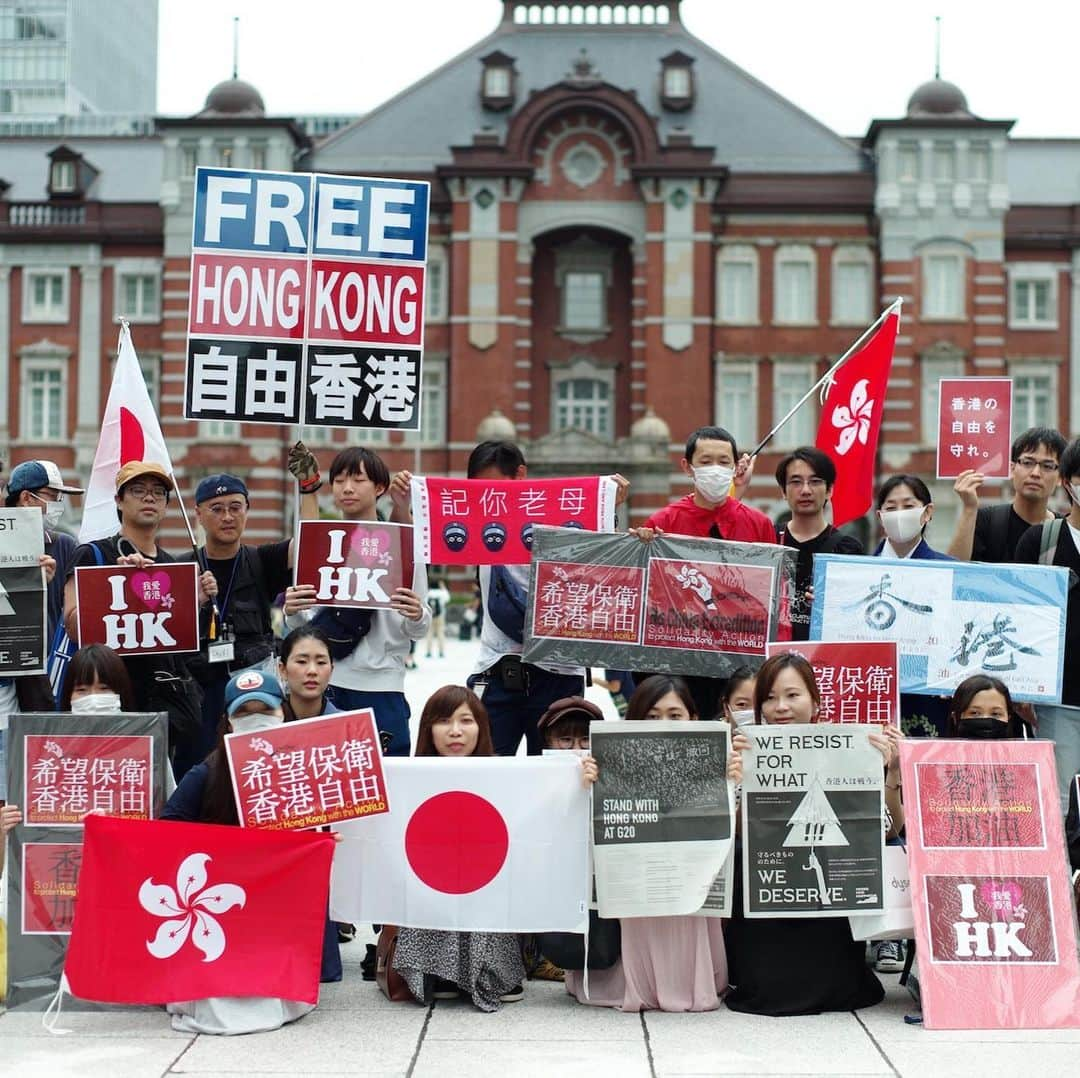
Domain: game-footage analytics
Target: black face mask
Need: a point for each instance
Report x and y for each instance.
(983, 729)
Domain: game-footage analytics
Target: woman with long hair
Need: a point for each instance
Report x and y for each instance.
(485, 966)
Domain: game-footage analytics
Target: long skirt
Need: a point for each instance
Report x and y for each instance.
(484, 965)
(667, 964)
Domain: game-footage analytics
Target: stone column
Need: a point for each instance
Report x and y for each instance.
(88, 377)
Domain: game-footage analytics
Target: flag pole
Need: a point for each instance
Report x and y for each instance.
(893, 307)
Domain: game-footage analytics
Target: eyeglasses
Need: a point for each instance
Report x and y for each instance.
(797, 482)
(570, 742)
(233, 509)
(48, 495)
(1029, 464)
(139, 492)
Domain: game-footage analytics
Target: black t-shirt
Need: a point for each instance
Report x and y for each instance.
(1066, 554)
(248, 584)
(830, 541)
(998, 528)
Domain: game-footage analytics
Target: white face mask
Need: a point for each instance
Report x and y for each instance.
(259, 720)
(902, 525)
(1074, 490)
(96, 703)
(53, 512)
(743, 718)
(713, 481)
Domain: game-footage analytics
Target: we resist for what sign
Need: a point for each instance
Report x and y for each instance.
(351, 564)
(149, 611)
(307, 299)
(813, 812)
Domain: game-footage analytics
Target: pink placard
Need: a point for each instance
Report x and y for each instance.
(974, 426)
(995, 922)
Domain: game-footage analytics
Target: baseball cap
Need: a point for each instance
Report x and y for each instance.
(136, 468)
(251, 685)
(35, 474)
(567, 707)
(214, 486)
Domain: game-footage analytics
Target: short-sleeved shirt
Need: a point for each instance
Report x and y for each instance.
(830, 541)
(731, 520)
(998, 529)
(248, 584)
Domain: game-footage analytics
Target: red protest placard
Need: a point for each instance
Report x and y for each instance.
(714, 606)
(974, 426)
(50, 876)
(576, 601)
(858, 682)
(351, 563)
(994, 916)
(308, 773)
(69, 775)
(151, 611)
(491, 521)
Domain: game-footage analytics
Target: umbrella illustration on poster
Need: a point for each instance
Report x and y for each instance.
(813, 824)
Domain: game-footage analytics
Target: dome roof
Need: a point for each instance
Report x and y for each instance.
(650, 428)
(937, 98)
(234, 97)
(495, 428)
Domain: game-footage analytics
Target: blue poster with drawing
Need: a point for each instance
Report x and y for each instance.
(949, 619)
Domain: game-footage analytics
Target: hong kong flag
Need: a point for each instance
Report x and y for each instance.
(129, 431)
(168, 912)
(851, 421)
(491, 845)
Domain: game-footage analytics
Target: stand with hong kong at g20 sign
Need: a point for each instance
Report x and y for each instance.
(306, 299)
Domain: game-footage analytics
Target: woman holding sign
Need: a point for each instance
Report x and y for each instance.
(486, 966)
(666, 963)
(831, 972)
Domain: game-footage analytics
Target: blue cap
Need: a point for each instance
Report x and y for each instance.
(36, 475)
(252, 685)
(214, 486)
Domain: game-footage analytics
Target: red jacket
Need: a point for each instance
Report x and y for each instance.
(734, 521)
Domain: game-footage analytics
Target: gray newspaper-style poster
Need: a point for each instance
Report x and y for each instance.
(674, 605)
(663, 817)
(23, 643)
(60, 767)
(812, 825)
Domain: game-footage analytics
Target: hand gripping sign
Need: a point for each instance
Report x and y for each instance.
(353, 564)
(307, 299)
(151, 611)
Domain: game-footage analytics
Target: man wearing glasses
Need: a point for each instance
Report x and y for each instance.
(990, 533)
(236, 631)
(806, 478)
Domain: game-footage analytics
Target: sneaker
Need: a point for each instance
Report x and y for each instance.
(345, 933)
(889, 957)
(547, 971)
(515, 993)
(444, 989)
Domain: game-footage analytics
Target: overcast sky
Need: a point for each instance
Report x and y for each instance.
(843, 61)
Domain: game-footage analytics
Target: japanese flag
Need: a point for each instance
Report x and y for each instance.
(471, 845)
(129, 431)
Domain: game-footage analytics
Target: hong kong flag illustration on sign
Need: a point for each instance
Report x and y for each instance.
(171, 911)
(462, 850)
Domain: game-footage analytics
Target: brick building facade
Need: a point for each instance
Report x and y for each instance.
(630, 237)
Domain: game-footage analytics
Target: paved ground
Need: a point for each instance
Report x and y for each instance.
(356, 1032)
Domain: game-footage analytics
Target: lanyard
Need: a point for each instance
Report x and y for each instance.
(224, 605)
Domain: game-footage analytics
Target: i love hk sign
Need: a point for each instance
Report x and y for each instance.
(149, 611)
(353, 563)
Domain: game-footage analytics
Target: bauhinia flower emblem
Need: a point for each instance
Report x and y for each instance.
(190, 909)
(853, 418)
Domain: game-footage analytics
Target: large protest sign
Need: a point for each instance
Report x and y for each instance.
(857, 682)
(949, 620)
(306, 299)
(812, 824)
(60, 767)
(353, 564)
(151, 611)
(994, 917)
(309, 773)
(474, 845)
(974, 426)
(674, 605)
(23, 634)
(491, 521)
(663, 816)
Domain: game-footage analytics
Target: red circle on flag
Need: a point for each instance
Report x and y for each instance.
(456, 842)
